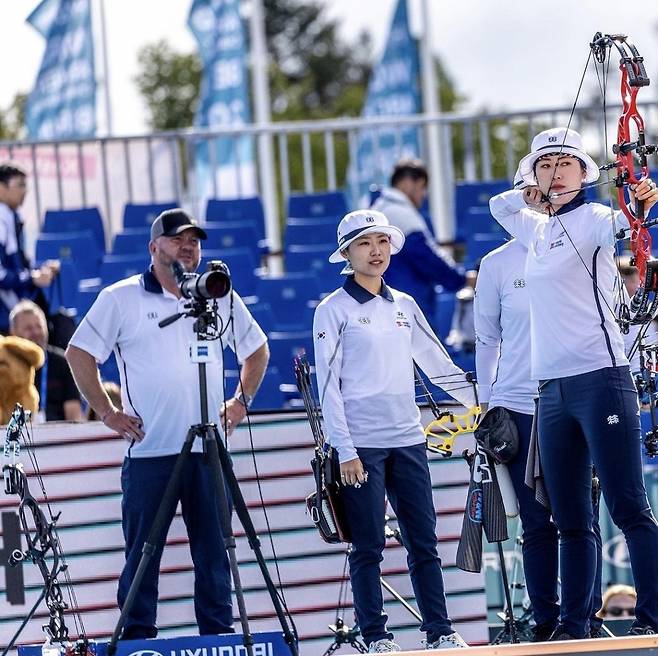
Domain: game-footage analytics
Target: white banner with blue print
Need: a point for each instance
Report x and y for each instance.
(225, 165)
(393, 90)
(62, 103)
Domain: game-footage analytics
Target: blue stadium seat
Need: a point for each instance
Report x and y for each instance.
(79, 220)
(64, 291)
(118, 267)
(231, 235)
(479, 244)
(445, 308)
(472, 206)
(85, 298)
(269, 396)
(305, 231)
(242, 210)
(80, 248)
(131, 242)
(315, 259)
(109, 370)
(374, 192)
(241, 263)
(284, 346)
(329, 203)
(290, 298)
(263, 315)
(141, 215)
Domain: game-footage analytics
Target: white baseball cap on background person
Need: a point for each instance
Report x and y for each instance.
(364, 222)
(557, 141)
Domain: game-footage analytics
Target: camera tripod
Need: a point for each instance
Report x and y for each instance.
(515, 629)
(218, 459)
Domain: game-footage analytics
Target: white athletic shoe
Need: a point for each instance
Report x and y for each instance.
(382, 646)
(451, 641)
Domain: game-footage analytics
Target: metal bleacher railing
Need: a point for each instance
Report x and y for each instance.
(88, 195)
(109, 173)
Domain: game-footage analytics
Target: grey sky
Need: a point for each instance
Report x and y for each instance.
(502, 54)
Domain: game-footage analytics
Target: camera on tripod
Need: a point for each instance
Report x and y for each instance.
(214, 282)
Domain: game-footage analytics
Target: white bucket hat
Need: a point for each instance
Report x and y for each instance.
(519, 182)
(561, 141)
(363, 222)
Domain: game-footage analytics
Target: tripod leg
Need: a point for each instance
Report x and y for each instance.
(243, 515)
(398, 596)
(169, 499)
(28, 617)
(511, 621)
(211, 440)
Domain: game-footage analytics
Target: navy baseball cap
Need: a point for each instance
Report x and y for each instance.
(173, 222)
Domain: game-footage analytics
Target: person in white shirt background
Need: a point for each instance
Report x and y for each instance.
(588, 406)
(366, 339)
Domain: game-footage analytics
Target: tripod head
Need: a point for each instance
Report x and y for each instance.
(205, 313)
(344, 635)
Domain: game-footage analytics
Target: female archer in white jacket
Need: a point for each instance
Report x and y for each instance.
(588, 406)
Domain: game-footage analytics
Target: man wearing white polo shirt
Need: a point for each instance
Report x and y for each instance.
(161, 400)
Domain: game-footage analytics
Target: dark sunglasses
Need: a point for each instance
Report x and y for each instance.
(616, 611)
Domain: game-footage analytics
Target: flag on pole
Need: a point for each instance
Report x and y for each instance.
(224, 100)
(393, 90)
(62, 103)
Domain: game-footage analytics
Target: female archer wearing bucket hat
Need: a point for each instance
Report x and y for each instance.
(588, 405)
(366, 338)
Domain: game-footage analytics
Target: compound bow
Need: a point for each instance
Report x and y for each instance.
(42, 542)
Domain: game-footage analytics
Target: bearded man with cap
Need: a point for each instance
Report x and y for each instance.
(160, 397)
(366, 338)
(588, 406)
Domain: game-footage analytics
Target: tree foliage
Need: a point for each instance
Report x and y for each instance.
(168, 82)
(314, 73)
(12, 119)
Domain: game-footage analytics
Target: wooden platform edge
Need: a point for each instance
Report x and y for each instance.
(640, 645)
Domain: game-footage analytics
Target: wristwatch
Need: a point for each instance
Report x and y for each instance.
(245, 399)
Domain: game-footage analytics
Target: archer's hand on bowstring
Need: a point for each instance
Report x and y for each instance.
(646, 191)
(353, 473)
(536, 200)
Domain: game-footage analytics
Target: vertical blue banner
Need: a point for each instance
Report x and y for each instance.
(224, 99)
(393, 90)
(62, 103)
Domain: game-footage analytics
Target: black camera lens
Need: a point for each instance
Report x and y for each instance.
(214, 282)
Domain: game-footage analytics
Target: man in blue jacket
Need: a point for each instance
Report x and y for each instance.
(17, 279)
(422, 264)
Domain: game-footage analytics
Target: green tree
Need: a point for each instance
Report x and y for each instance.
(169, 83)
(12, 119)
(314, 72)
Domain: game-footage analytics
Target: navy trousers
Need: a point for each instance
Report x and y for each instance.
(585, 419)
(403, 474)
(540, 540)
(143, 482)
